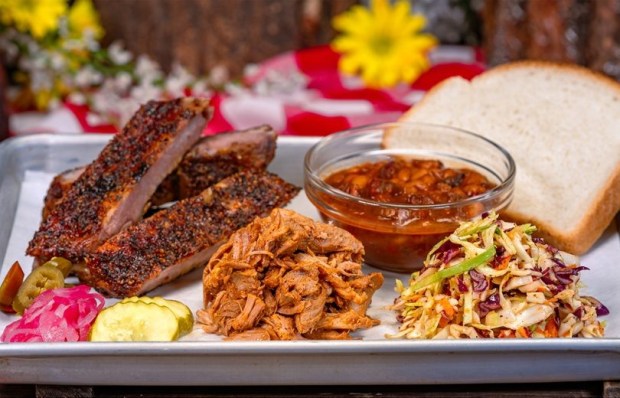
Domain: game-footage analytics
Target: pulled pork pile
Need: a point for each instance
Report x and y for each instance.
(286, 277)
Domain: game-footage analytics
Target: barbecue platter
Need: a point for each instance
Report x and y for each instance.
(163, 210)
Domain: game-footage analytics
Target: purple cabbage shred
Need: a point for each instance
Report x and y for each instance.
(479, 281)
(490, 304)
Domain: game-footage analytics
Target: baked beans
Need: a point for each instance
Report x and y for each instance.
(410, 181)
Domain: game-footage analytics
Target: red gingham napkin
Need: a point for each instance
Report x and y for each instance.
(328, 101)
(301, 93)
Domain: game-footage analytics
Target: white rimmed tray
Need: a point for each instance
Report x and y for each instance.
(26, 166)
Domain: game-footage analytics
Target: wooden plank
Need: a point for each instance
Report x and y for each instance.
(611, 389)
(203, 34)
(51, 391)
(543, 390)
(586, 32)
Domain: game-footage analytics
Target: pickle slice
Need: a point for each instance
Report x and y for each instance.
(135, 321)
(183, 313)
(45, 277)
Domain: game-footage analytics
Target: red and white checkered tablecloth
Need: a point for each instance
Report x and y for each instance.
(297, 93)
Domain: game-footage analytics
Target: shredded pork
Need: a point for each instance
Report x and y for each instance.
(286, 277)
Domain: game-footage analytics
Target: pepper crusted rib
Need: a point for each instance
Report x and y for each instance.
(212, 159)
(176, 240)
(219, 156)
(113, 190)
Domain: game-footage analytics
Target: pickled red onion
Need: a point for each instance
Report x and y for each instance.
(64, 314)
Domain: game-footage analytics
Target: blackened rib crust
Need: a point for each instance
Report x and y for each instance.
(223, 155)
(216, 157)
(108, 194)
(211, 160)
(176, 240)
(59, 187)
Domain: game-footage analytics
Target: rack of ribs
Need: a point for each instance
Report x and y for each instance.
(212, 159)
(182, 237)
(216, 157)
(113, 191)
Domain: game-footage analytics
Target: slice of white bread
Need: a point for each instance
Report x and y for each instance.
(561, 124)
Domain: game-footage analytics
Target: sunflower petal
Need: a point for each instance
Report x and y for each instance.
(382, 43)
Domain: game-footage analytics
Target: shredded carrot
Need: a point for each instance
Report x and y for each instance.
(447, 308)
(552, 300)
(523, 332)
(551, 329)
(414, 297)
(505, 334)
(504, 263)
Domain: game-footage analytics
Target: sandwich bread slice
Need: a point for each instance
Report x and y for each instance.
(561, 124)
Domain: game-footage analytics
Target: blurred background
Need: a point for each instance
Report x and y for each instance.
(221, 39)
(202, 34)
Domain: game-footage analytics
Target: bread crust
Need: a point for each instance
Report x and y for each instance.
(579, 71)
(605, 204)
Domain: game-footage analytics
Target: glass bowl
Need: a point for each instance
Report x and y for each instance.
(397, 237)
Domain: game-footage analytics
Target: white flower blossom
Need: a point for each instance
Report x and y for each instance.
(57, 61)
(123, 81)
(250, 70)
(200, 88)
(41, 80)
(127, 107)
(219, 75)
(276, 83)
(10, 49)
(113, 96)
(87, 77)
(78, 98)
(146, 92)
(118, 54)
(147, 70)
(178, 80)
(91, 43)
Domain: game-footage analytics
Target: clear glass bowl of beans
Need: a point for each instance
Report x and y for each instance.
(399, 202)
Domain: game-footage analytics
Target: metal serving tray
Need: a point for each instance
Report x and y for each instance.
(201, 359)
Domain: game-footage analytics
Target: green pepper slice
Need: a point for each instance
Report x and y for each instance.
(42, 278)
(457, 269)
(62, 264)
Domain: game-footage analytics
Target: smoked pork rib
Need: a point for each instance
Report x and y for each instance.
(222, 155)
(58, 188)
(212, 159)
(175, 240)
(113, 190)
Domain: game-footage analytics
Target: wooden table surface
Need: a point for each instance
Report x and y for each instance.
(546, 390)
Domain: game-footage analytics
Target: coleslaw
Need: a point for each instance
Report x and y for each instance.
(492, 279)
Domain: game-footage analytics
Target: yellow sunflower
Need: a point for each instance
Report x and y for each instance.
(35, 16)
(83, 16)
(384, 43)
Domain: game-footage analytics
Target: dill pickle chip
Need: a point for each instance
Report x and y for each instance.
(45, 277)
(135, 321)
(62, 264)
(183, 313)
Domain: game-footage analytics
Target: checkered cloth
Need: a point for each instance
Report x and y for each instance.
(297, 93)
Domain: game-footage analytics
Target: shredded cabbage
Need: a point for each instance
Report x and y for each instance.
(490, 278)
